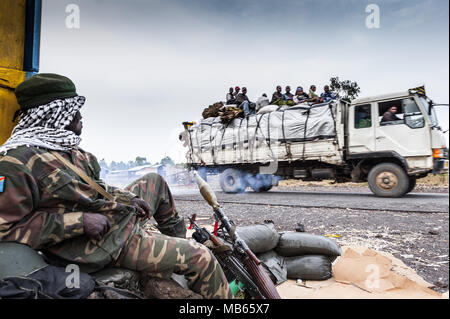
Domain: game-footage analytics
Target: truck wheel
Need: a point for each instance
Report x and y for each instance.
(388, 180)
(260, 183)
(412, 184)
(232, 181)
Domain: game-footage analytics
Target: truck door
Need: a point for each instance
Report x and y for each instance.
(405, 133)
(361, 131)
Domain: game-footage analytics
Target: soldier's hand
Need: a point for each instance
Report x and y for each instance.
(142, 206)
(95, 225)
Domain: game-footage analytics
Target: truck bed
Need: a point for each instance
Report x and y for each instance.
(297, 133)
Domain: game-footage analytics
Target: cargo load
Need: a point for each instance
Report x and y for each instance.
(301, 123)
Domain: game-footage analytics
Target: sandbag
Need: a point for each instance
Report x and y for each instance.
(267, 109)
(297, 244)
(259, 238)
(308, 267)
(275, 265)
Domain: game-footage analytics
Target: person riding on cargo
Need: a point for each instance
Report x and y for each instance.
(313, 97)
(230, 95)
(327, 95)
(276, 96)
(262, 101)
(288, 97)
(244, 103)
(54, 201)
(300, 96)
(237, 89)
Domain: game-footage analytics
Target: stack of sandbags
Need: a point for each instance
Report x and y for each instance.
(291, 255)
(308, 256)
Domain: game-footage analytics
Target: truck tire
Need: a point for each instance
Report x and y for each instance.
(388, 180)
(412, 184)
(232, 181)
(260, 182)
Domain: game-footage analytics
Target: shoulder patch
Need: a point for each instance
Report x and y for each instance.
(2, 183)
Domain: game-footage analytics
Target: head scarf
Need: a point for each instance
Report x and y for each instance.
(45, 126)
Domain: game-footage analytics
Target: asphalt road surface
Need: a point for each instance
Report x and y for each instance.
(413, 228)
(359, 200)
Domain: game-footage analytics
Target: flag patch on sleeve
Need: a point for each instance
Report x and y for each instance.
(2, 183)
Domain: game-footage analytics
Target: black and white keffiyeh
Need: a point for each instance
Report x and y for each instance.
(45, 126)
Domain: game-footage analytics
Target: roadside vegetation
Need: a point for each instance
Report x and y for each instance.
(431, 180)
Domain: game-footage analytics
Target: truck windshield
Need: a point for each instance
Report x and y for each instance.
(432, 116)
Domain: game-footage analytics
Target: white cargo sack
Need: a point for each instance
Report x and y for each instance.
(267, 109)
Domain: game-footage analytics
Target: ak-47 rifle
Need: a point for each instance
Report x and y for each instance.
(237, 257)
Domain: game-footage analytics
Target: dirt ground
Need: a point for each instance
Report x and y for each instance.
(420, 240)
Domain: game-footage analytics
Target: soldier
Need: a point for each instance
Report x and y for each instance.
(52, 202)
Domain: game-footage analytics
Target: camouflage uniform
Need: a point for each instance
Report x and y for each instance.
(42, 206)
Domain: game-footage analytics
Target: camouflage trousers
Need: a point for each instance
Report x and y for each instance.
(160, 255)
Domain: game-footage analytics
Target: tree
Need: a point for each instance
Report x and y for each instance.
(140, 160)
(167, 161)
(345, 90)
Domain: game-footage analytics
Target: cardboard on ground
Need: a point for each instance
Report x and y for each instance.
(363, 273)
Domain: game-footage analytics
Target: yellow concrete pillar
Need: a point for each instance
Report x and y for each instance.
(12, 48)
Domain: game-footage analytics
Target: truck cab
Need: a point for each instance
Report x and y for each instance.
(407, 145)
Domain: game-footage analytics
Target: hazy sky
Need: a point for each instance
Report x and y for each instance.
(146, 66)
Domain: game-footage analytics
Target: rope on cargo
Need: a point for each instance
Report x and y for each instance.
(248, 141)
(191, 146)
(288, 151)
(267, 140)
(308, 111)
(239, 140)
(256, 129)
(198, 144)
(210, 142)
(221, 140)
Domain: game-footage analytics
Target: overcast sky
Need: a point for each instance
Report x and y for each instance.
(146, 66)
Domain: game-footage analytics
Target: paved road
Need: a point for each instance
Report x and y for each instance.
(413, 202)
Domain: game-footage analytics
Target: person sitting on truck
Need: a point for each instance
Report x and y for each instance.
(327, 96)
(300, 96)
(276, 96)
(288, 96)
(262, 101)
(230, 95)
(389, 115)
(244, 103)
(313, 97)
(236, 91)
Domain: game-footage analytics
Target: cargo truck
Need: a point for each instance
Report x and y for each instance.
(337, 140)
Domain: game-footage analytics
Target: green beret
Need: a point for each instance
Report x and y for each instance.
(44, 88)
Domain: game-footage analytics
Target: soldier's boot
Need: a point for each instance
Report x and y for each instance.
(173, 228)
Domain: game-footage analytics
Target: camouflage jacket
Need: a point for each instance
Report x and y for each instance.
(42, 205)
